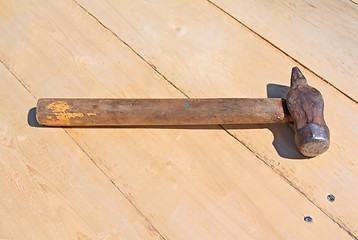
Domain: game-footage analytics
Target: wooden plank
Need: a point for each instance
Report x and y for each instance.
(322, 35)
(205, 53)
(191, 183)
(50, 188)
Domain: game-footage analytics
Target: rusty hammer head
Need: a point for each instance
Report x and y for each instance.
(305, 105)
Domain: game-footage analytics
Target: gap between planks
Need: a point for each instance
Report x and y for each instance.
(257, 155)
(134, 51)
(135, 207)
(129, 200)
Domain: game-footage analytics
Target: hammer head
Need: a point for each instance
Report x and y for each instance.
(305, 105)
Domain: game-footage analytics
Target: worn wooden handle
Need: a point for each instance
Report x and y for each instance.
(113, 112)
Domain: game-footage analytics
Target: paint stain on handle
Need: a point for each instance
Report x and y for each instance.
(60, 110)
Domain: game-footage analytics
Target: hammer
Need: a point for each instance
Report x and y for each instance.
(303, 109)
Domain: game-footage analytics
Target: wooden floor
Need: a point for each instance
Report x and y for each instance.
(241, 182)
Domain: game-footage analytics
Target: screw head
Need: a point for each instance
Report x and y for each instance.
(331, 197)
(308, 219)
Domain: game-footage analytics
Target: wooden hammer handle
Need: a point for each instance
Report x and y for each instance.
(114, 112)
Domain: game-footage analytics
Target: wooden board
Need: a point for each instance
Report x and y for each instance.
(50, 188)
(189, 183)
(245, 66)
(321, 35)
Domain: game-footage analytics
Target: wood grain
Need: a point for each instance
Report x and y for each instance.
(205, 53)
(322, 35)
(118, 112)
(50, 188)
(191, 184)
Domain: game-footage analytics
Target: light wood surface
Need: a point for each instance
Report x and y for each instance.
(159, 183)
(322, 35)
(50, 188)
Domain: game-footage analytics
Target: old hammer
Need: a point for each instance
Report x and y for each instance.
(303, 108)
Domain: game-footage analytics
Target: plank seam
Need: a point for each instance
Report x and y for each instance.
(130, 201)
(342, 226)
(282, 51)
(140, 213)
(18, 79)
